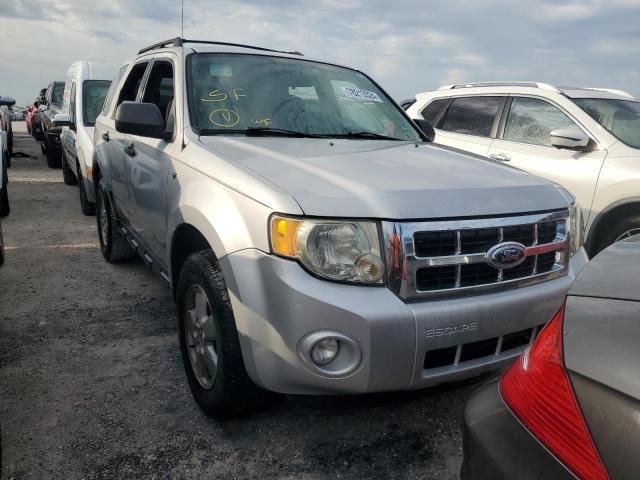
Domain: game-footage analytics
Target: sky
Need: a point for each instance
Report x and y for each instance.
(407, 46)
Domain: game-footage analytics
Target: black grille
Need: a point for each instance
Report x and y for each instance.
(478, 240)
(523, 270)
(546, 262)
(435, 244)
(547, 232)
(436, 278)
(524, 234)
(477, 274)
(444, 357)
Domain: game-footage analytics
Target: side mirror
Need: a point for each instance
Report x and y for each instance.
(426, 128)
(62, 120)
(142, 119)
(7, 101)
(570, 138)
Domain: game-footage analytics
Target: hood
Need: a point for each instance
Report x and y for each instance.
(387, 179)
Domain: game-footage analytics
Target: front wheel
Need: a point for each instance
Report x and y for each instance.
(209, 341)
(113, 245)
(4, 196)
(54, 158)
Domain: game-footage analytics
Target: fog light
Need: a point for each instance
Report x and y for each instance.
(325, 351)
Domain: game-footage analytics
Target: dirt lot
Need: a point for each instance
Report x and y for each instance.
(92, 386)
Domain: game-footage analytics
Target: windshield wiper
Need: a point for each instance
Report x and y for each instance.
(268, 131)
(366, 135)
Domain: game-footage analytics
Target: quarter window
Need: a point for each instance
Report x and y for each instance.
(531, 120)
(472, 115)
(432, 111)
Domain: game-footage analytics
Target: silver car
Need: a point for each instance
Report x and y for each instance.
(315, 241)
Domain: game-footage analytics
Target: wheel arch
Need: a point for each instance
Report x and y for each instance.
(613, 213)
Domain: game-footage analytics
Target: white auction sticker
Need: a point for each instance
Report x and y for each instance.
(361, 94)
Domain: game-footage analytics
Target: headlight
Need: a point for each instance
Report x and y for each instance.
(345, 251)
(576, 227)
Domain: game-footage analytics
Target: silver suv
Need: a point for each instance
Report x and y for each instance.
(586, 139)
(315, 242)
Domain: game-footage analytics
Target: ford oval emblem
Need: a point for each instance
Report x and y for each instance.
(506, 255)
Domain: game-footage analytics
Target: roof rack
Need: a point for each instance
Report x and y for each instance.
(179, 42)
(614, 91)
(544, 86)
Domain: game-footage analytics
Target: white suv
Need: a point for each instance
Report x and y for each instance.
(586, 139)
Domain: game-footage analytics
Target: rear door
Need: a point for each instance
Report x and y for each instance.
(150, 160)
(468, 123)
(523, 141)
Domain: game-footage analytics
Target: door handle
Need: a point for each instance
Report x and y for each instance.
(501, 157)
(130, 150)
(105, 136)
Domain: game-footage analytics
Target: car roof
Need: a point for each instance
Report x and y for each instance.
(613, 273)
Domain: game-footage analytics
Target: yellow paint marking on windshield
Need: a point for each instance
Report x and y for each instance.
(265, 121)
(216, 96)
(225, 118)
(236, 93)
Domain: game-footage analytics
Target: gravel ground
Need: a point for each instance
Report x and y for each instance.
(92, 385)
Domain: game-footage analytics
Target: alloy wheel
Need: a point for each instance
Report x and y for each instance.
(200, 336)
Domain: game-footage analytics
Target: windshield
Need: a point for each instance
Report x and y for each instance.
(58, 93)
(236, 93)
(620, 117)
(93, 99)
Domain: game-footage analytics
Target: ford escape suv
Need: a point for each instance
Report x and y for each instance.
(315, 242)
(586, 139)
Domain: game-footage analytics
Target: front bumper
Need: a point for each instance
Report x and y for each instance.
(277, 304)
(497, 446)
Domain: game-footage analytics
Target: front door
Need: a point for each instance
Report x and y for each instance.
(151, 161)
(525, 144)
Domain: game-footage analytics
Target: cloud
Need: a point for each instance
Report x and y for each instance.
(409, 46)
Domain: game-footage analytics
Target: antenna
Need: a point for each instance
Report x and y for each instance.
(182, 18)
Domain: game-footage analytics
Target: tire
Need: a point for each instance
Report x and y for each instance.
(4, 196)
(625, 225)
(86, 206)
(67, 174)
(229, 392)
(113, 245)
(1, 261)
(54, 158)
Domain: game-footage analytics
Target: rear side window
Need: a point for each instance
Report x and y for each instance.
(131, 85)
(531, 120)
(432, 111)
(112, 91)
(472, 115)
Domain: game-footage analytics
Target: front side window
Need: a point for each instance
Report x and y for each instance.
(57, 96)
(472, 115)
(112, 90)
(620, 117)
(131, 85)
(531, 120)
(159, 88)
(93, 96)
(241, 93)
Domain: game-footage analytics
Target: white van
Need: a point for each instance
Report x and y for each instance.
(85, 88)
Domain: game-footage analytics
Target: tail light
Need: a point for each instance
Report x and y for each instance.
(537, 390)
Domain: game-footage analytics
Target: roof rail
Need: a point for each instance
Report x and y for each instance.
(179, 42)
(544, 86)
(615, 91)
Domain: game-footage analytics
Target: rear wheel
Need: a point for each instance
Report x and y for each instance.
(1, 255)
(67, 174)
(209, 341)
(87, 207)
(113, 245)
